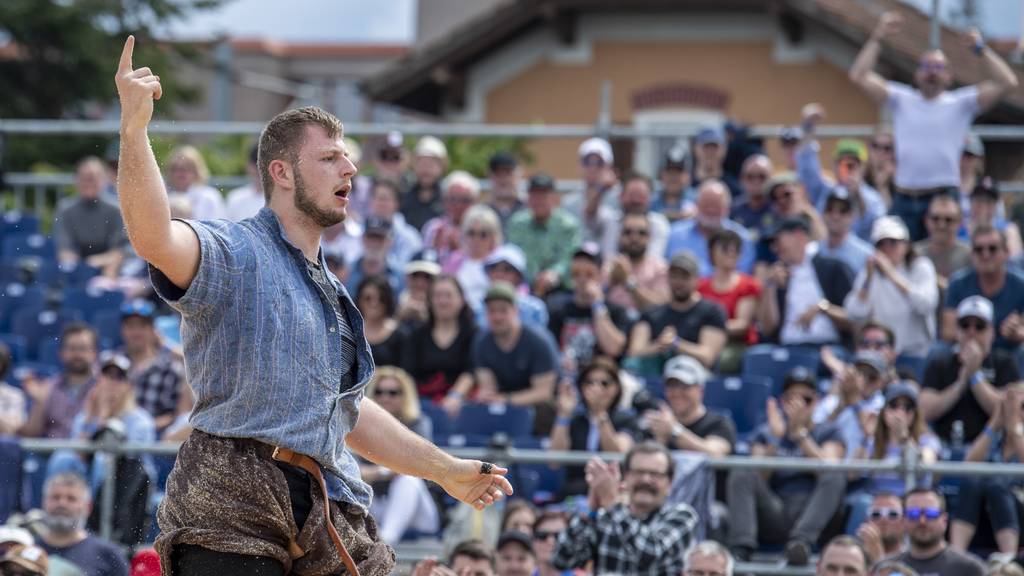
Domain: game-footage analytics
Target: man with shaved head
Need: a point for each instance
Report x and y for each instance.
(931, 123)
(713, 203)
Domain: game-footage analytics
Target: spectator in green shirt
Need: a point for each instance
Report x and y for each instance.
(547, 234)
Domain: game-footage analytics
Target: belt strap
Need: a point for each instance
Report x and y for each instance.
(309, 465)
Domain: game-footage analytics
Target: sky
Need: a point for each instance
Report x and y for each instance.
(393, 21)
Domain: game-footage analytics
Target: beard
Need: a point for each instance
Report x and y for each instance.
(305, 204)
(680, 297)
(925, 539)
(64, 522)
(632, 251)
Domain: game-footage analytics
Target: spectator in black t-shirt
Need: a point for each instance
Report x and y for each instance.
(376, 302)
(584, 324)
(684, 423)
(688, 324)
(964, 384)
(422, 201)
(597, 424)
(436, 354)
(512, 363)
(791, 505)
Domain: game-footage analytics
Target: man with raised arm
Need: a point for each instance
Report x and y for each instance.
(931, 123)
(274, 350)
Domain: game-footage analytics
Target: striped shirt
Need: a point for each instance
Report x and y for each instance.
(265, 351)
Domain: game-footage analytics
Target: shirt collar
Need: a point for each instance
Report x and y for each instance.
(268, 220)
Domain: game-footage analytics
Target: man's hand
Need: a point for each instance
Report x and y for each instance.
(667, 338)
(545, 282)
(971, 357)
(805, 319)
(567, 400)
(432, 567)
(973, 37)
(620, 271)
(137, 89)
(890, 23)
(37, 390)
(871, 538)
(776, 424)
(660, 422)
(1012, 327)
(810, 116)
(603, 479)
(467, 482)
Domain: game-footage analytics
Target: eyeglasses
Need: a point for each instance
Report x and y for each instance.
(943, 220)
(592, 161)
(807, 399)
(886, 513)
(970, 324)
(592, 381)
(458, 200)
(839, 207)
(392, 392)
(643, 232)
(886, 242)
(390, 157)
(881, 147)
(931, 67)
(915, 514)
(478, 233)
(982, 249)
(653, 473)
(545, 534)
(905, 406)
(874, 343)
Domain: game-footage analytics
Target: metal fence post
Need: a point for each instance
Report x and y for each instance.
(910, 462)
(107, 498)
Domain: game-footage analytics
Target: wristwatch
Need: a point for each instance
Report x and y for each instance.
(677, 431)
(802, 434)
(824, 305)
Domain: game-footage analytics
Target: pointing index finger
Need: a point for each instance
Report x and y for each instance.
(126, 55)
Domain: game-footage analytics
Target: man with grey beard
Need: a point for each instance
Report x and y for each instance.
(67, 503)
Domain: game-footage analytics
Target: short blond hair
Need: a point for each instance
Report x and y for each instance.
(284, 134)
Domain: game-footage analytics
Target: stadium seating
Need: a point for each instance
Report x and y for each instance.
(774, 362)
(20, 245)
(742, 397)
(490, 419)
(88, 303)
(441, 424)
(17, 345)
(16, 296)
(37, 325)
(14, 223)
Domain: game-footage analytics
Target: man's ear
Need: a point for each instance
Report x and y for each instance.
(282, 173)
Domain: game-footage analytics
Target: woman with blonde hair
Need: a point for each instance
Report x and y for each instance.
(402, 505)
(187, 176)
(481, 236)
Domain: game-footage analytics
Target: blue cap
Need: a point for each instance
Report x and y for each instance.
(839, 193)
(138, 307)
(901, 389)
(710, 135)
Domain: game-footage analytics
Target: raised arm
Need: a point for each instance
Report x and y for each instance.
(1001, 77)
(170, 246)
(862, 72)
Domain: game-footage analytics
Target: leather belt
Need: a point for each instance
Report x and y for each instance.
(309, 465)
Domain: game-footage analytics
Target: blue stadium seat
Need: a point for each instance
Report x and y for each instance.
(913, 365)
(17, 345)
(441, 424)
(743, 398)
(462, 440)
(90, 302)
(108, 324)
(42, 370)
(489, 419)
(537, 483)
(16, 296)
(19, 223)
(38, 325)
(48, 352)
(10, 477)
(56, 275)
(774, 362)
(19, 245)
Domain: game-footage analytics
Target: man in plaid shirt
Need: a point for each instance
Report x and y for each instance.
(645, 535)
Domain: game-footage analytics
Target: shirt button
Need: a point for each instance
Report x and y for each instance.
(331, 329)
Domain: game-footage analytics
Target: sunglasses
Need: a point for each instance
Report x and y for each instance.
(592, 161)
(915, 514)
(545, 534)
(944, 220)
(881, 147)
(592, 381)
(502, 267)
(472, 233)
(969, 324)
(643, 232)
(886, 513)
(807, 399)
(932, 67)
(982, 249)
(905, 406)
(393, 392)
(389, 157)
(874, 343)
(839, 207)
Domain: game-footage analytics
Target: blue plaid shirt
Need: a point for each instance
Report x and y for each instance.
(262, 348)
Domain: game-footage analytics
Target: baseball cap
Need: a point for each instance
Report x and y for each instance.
(146, 563)
(871, 359)
(431, 147)
(889, 228)
(974, 146)
(138, 307)
(901, 389)
(975, 307)
(116, 359)
(517, 537)
(710, 135)
(780, 179)
(32, 558)
(509, 254)
(791, 224)
(589, 250)
(502, 159)
(377, 226)
(676, 158)
(425, 262)
(686, 369)
(839, 193)
(986, 187)
(686, 262)
(791, 135)
(851, 147)
(393, 141)
(598, 146)
(15, 534)
(541, 181)
(799, 375)
(501, 291)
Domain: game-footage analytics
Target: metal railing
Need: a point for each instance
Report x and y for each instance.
(909, 466)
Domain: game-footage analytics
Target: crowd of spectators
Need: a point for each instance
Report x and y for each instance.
(885, 282)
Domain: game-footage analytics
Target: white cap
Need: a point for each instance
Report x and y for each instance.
(889, 228)
(598, 146)
(9, 534)
(687, 370)
(432, 148)
(975, 307)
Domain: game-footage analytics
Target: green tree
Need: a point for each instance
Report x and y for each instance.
(61, 59)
